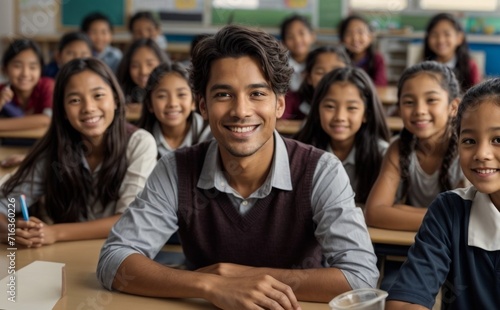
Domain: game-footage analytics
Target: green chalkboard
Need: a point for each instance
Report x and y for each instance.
(73, 11)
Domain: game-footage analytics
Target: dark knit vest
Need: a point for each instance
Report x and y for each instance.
(277, 232)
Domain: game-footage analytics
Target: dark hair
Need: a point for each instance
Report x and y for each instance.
(132, 91)
(285, 24)
(487, 91)
(18, 46)
(148, 118)
(71, 37)
(143, 15)
(197, 39)
(370, 52)
(67, 185)
(368, 156)
(239, 41)
(93, 17)
(462, 69)
(306, 90)
(407, 141)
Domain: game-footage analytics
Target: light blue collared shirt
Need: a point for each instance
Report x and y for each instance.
(340, 226)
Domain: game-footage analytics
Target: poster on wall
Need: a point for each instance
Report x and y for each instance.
(35, 17)
(172, 10)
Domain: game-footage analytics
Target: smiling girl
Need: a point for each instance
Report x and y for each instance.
(26, 99)
(423, 161)
(169, 110)
(89, 166)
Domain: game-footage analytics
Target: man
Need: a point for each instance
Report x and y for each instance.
(259, 216)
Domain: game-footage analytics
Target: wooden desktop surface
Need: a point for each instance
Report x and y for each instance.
(388, 95)
(291, 127)
(392, 237)
(6, 151)
(24, 134)
(83, 291)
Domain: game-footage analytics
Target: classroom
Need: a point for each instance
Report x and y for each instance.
(258, 154)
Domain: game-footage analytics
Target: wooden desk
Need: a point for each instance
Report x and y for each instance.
(83, 291)
(288, 126)
(388, 95)
(6, 151)
(24, 134)
(395, 123)
(388, 236)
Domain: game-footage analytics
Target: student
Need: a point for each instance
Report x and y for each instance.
(445, 42)
(319, 62)
(89, 166)
(142, 57)
(169, 110)
(357, 36)
(100, 31)
(243, 252)
(422, 162)
(72, 45)
(144, 25)
(347, 119)
(298, 36)
(458, 246)
(26, 98)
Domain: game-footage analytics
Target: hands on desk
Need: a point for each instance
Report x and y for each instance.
(34, 233)
(12, 161)
(241, 287)
(29, 233)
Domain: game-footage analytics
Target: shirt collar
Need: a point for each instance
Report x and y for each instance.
(484, 223)
(451, 63)
(212, 175)
(351, 157)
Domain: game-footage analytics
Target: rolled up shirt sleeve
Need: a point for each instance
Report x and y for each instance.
(146, 224)
(341, 229)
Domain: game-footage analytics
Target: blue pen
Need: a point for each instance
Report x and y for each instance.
(24, 208)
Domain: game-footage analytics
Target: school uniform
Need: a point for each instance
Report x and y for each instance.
(349, 162)
(296, 78)
(161, 40)
(378, 75)
(40, 101)
(474, 74)
(292, 110)
(111, 56)
(425, 187)
(141, 158)
(339, 229)
(456, 249)
(51, 69)
(199, 132)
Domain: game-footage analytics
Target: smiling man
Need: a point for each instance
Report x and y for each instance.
(264, 221)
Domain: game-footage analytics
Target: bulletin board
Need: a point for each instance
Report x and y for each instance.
(187, 11)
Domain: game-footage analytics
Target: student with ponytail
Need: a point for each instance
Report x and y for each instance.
(423, 161)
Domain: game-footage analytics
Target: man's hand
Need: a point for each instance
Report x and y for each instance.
(252, 292)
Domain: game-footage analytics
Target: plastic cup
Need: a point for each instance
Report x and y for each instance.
(360, 299)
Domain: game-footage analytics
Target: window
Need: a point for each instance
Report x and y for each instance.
(236, 4)
(379, 5)
(462, 5)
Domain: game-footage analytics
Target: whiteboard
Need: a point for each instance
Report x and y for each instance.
(35, 17)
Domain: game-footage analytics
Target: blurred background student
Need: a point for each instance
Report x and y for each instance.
(445, 42)
(72, 45)
(145, 25)
(141, 58)
(169, 110)
(100, 31)
(26, 98)
(319, 62)
(298, 36)
(357, 36)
